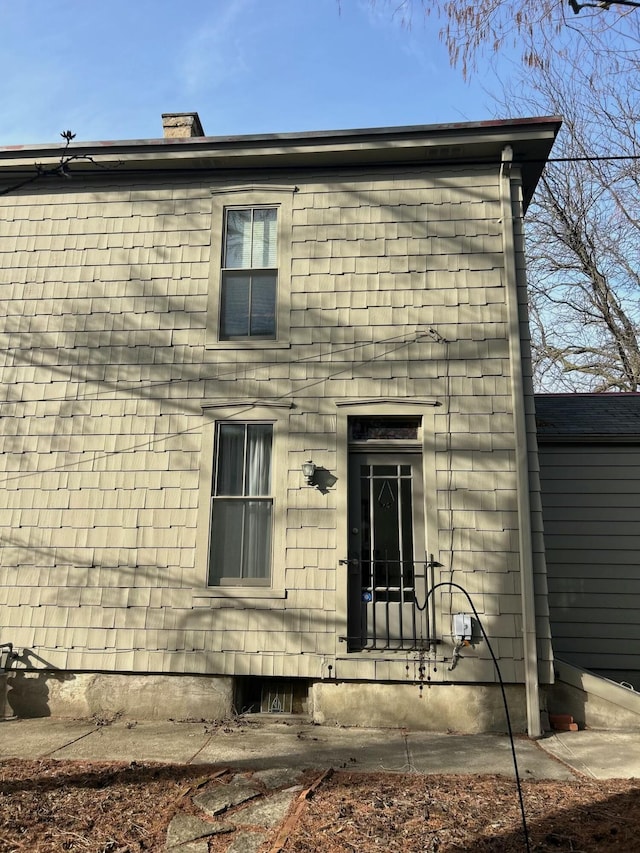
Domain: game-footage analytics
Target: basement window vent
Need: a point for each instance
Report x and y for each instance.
(277, 698)
(271, 695)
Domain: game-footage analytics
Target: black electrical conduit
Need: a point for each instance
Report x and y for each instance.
(452, 585)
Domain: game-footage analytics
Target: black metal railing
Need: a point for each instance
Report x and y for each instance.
(387, 605)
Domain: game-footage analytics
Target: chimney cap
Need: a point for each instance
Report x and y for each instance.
(181, 125)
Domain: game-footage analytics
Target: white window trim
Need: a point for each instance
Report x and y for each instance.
(280, 197)
(244, 411)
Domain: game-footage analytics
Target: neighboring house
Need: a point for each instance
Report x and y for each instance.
(187, 323)
(590, 477)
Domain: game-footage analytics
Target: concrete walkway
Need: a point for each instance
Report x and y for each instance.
(266, 758)
(256, 743)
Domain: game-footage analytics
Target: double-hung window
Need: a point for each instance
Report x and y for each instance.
(249, 274)
(241, 505)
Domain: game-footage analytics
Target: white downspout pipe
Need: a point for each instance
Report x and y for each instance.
(527, 590)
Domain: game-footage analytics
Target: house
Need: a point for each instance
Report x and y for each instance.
(589, 447)
(268, 436)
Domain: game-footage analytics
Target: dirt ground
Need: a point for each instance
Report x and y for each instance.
(97, 807)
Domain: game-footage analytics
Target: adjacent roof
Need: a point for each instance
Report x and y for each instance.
(470, 142)
(588, 417)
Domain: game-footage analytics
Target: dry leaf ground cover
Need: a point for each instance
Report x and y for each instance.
(98, 807)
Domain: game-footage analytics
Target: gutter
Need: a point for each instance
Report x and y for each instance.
(478, 144)
(527, 589)
(451, 133)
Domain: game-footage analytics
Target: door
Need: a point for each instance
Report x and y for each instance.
(386, 566)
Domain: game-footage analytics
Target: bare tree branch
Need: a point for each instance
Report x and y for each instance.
(473, 30)
(584, 230)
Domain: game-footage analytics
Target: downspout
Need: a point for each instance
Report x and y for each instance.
(527, 589)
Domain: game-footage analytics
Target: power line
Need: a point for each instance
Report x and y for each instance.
(235, 371)
(148, 443)
(63, 170)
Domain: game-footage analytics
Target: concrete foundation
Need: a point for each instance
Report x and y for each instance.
(468, 709)
(134, 696)
(593, 702)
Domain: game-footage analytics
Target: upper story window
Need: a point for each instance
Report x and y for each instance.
(250, 277)
(249, 283)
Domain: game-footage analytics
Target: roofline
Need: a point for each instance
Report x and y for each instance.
(603, 394)
(415, 146)
(584, 436)
(303, 136)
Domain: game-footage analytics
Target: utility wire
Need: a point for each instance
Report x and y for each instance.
(461, 589)
(62, 169)
(235, 371)
(159, 439)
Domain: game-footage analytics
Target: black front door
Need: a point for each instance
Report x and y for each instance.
(386, 550)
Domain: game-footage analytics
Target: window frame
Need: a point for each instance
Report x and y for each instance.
(241, 499)
(246, 412)
(279, 198)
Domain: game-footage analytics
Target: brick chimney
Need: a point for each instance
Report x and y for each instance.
(181, 125)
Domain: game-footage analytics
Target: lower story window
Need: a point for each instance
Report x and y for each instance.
(241, 505)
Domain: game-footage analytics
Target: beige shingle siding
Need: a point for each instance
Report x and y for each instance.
(106, 370)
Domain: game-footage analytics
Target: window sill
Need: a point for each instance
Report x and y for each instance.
(243, 592)
(247, 344)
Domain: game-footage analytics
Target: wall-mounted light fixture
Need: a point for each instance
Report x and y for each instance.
(309, 472)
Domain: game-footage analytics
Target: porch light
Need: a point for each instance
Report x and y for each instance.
(308, 471)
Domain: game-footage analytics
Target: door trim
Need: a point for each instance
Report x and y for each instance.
(432, 411)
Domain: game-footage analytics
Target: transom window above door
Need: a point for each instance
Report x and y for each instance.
(386, 428)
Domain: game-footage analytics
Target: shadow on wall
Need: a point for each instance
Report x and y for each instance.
(28, 691)
(28, 694)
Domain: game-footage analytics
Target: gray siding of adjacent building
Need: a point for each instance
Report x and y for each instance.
(591, 507)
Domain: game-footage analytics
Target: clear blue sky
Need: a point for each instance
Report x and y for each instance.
(107, 69)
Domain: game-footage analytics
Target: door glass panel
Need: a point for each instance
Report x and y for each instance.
(407, 564)
(384, 471)
(386, 530)
(386, 574)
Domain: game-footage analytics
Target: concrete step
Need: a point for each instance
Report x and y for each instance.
(593, 701)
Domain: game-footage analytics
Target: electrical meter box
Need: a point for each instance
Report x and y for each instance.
(462, 626)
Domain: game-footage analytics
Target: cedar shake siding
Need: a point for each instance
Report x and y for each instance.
(392, 302)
